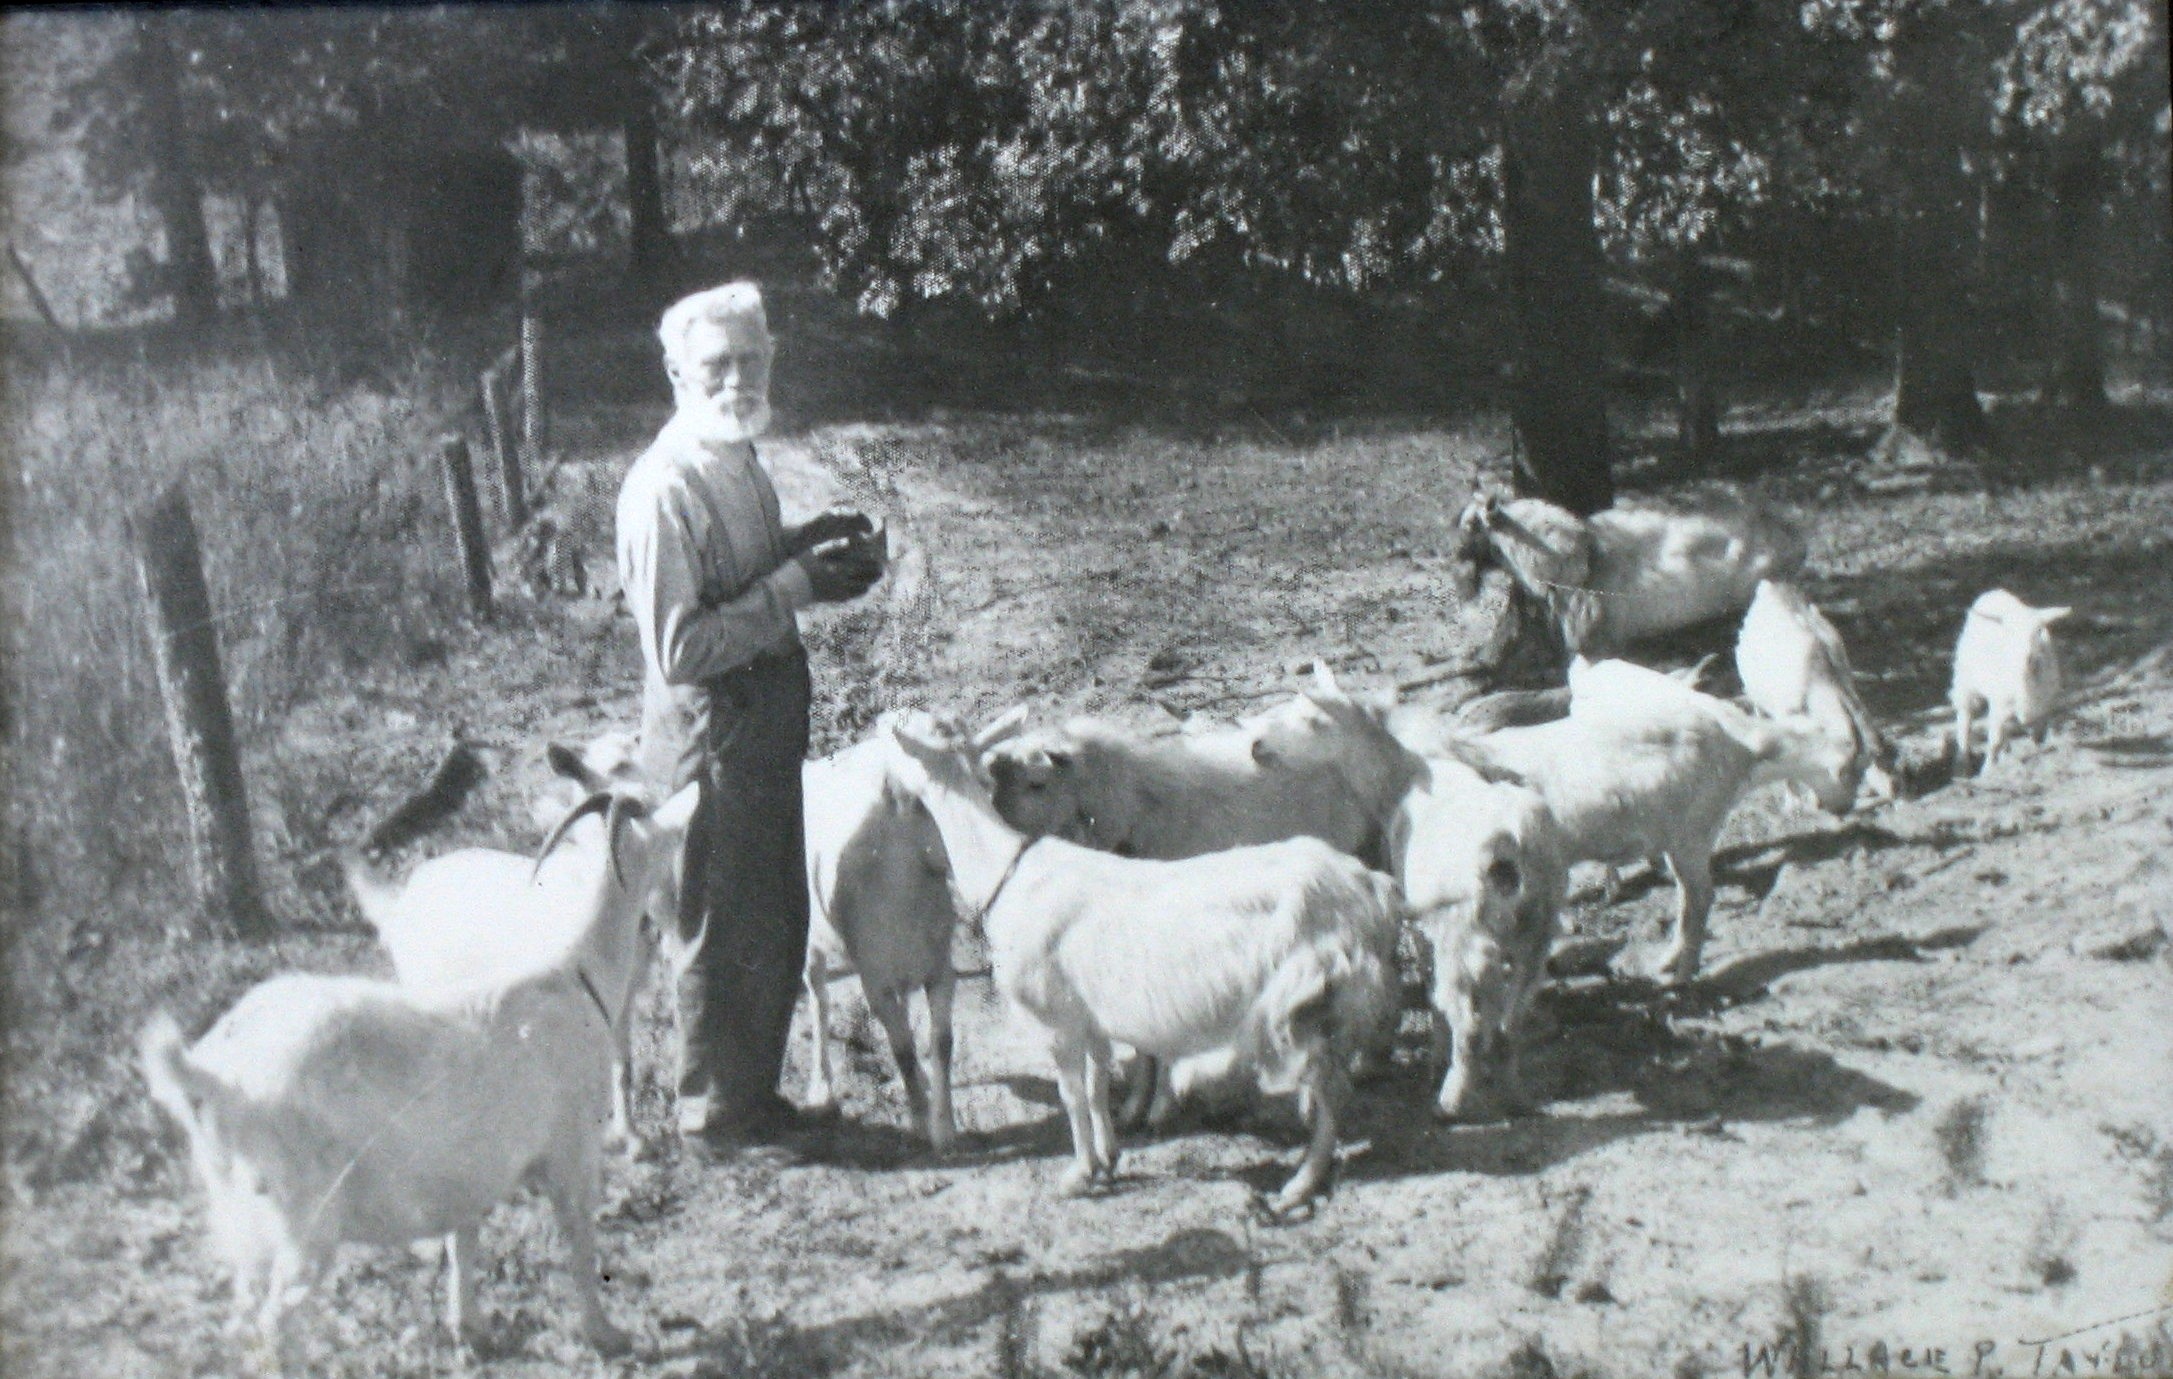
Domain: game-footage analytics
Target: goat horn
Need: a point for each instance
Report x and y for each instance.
(603, 801)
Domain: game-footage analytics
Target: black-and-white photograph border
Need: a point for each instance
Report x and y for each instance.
(1470, 689)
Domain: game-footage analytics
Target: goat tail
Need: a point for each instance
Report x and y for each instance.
(164, 1054)
(1332, 997)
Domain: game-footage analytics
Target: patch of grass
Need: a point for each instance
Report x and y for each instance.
(1805, 1303)
(1351, 1292)
(1130, 1343)
(1531, 1361)
(2158, 1189)
(1014, 1328)
(1121, 1345)
(1961, 1133)
(1565, 1245)
(2052, 1242)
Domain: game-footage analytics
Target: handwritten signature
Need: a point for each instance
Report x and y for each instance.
(2148, 1355)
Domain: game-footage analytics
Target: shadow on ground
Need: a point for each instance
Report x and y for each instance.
(1902, 633)
(1617, 1036)
(1193, 1254)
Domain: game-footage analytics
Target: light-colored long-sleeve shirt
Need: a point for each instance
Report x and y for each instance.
(702, 560)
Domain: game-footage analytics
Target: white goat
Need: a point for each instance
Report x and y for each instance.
(1488, 713)
(1626, 572)
(1109, 788)
(1482, 870)
(2006, 667)
(1646, 767)
(480, 916)
(1283, 953)
(1319, 765)
(879, 906)
(880, 899)
(1792, 661)
(322, 1110)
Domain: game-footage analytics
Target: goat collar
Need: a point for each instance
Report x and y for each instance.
(581, 975)
(980, 921)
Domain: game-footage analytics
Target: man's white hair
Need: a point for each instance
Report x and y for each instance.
(735, 301)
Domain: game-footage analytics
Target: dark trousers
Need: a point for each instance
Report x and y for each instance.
(743, 904)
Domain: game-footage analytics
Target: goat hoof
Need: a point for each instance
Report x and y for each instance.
(1076, 1182)
(1283, 1210)
(824, 1111)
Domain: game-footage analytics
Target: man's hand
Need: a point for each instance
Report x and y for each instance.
(832, 525)
(842, 572)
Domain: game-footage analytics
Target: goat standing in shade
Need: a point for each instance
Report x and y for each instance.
(1627, 572)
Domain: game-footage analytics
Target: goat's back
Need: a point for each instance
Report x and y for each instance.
(1624, 789)
(1174, 957)
(1657, 570)
(1177, 797)
(373, 1114)
(878, 876)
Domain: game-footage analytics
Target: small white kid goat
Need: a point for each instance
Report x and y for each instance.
(1792, 662)
(321, 1110)
(1281, 954)
(2007, 668)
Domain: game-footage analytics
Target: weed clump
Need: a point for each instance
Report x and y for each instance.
(1551, 1271)
(1961, 1133)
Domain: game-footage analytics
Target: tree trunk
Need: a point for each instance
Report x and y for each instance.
(649, 242)
(1933, 126)
(1935, 384)
(2078, 188)
(173, 191)
(1697, 422)
(1558, 395)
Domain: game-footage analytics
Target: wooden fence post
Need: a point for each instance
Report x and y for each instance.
(467, 514)
(512, 482)
(534, 437)
(198, 718)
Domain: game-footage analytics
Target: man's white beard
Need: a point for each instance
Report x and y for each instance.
(712, 420)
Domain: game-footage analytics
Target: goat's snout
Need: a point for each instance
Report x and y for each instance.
(1504, 876)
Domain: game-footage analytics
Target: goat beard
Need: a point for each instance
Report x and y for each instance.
(714, 419)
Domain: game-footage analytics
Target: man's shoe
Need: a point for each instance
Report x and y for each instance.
(774, 1135)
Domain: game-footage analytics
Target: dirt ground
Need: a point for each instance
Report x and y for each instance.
(1921, 1100)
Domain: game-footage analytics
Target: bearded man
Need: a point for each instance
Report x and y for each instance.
(716, 581)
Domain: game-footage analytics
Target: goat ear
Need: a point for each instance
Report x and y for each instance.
(1005, 725)
(2048, 616)
(919, 732)
(1324, 681)
(567, 762)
